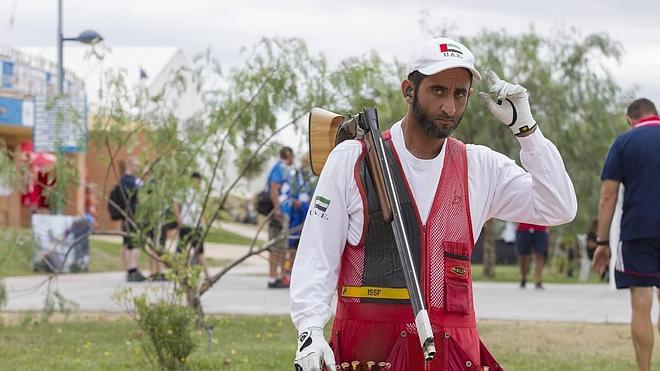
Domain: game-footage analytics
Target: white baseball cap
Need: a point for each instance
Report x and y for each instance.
(441, 54)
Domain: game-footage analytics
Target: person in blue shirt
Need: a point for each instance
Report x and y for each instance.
(634, 161)
(279, 187)
(303, 183)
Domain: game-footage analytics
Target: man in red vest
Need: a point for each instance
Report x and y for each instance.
(447, 190)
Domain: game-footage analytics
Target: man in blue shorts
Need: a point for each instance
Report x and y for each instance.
(634, 161)
(531, 238)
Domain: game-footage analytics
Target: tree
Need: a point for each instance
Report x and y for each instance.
(573, 97)
(366, 82)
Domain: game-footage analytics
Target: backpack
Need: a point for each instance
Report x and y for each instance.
(264, 204)
(117, 203)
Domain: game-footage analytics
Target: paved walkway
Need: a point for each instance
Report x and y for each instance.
(243, 291)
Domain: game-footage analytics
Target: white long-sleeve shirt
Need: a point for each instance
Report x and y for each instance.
(498, 188)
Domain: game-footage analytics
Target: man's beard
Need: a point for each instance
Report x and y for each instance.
(426, 122)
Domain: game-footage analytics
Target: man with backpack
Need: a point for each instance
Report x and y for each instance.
(122, 205)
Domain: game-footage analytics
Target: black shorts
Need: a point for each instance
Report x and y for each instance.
(532, 240)
(130, 238)
(162, 235)
(638, 264)
(189, 236)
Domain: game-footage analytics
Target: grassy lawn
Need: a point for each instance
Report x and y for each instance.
(511, 273)
(259, 343)
(17, 247)
(218, 235)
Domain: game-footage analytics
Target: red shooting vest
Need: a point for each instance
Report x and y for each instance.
(374, 321)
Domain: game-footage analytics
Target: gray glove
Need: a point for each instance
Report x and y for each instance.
(512, 106)
(313, 351)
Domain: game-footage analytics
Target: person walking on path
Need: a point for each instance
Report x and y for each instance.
(634, 161)
(531, 239)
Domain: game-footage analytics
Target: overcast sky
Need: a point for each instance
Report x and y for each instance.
(338, 28)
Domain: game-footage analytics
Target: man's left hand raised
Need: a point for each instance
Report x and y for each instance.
(511, 107)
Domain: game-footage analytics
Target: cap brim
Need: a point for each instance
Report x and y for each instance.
(442, 66)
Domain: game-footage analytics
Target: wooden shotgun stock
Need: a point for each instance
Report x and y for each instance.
(377, 177)
(328, 129)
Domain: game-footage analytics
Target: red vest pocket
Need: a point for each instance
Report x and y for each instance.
(457, 277)
(458, 296)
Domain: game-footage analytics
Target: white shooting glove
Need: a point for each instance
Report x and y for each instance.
(512, 105)
(313, 351)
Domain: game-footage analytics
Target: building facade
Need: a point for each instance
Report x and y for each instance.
(30, 128)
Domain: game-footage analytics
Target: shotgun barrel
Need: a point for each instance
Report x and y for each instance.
(369, 122)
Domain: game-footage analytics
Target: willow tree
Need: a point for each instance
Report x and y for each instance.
(573, 97)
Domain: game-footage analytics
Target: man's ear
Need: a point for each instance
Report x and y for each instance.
(408, 90)
(631, 122)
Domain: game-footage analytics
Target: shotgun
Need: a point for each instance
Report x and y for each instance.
(364, 126)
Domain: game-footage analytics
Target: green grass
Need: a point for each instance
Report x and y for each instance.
(105, 256)
(511, 273)
(17, 248)
(218, 235)
(245, 343)
(239, 343)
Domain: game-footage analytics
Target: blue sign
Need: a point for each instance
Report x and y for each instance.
(11, 111)
(7, 73)
(60, 124)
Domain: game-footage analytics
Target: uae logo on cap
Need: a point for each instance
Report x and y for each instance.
(451, 50)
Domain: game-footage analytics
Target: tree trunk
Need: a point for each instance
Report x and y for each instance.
(195, 302)
(489, 249)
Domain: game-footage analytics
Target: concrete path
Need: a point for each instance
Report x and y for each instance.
(243, 291)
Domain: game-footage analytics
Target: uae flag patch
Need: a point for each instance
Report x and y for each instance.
(321, 203)
(451, 48)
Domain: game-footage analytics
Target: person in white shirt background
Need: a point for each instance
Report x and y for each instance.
(451, 190)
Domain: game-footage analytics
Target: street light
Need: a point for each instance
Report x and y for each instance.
(85, 37)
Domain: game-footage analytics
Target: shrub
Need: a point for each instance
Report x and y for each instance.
(167, 325)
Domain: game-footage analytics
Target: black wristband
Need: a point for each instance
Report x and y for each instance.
(602, 242)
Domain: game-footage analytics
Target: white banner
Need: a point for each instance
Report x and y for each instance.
(62, 243)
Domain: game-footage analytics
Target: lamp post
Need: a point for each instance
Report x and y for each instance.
(85, 37)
